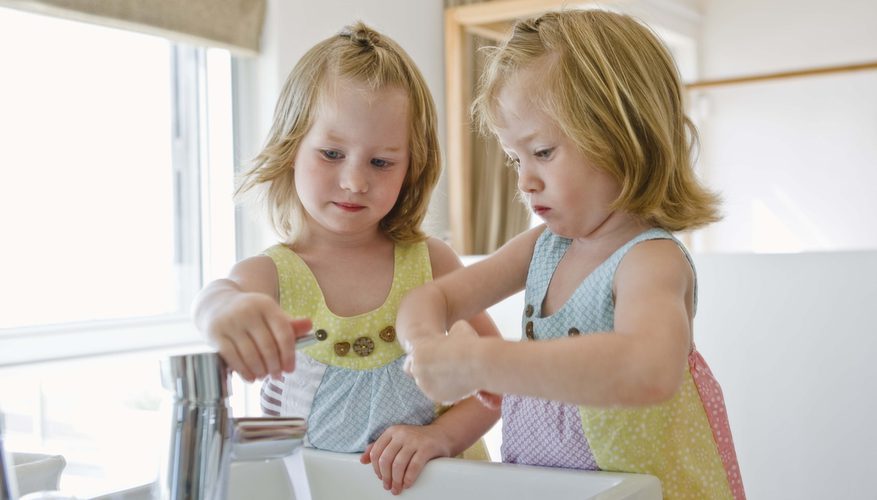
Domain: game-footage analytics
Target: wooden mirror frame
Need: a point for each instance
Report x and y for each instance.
(491, 20)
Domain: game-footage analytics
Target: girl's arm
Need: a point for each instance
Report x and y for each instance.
(427, 311)
(640, 363)
(445, 261)
(468, 420)
(241, 317)
(399, 455)
(464, 293)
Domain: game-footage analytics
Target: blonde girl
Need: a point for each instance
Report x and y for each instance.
(346, 174)
(588, 106)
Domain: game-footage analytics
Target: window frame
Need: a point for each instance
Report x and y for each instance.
(193, 222)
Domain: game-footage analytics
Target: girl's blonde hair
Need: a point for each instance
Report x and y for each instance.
(614, 90)
(360, 54)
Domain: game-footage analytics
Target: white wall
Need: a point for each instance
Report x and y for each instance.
(796, 160)
(793, 343)
(291, 28)
(791, 337)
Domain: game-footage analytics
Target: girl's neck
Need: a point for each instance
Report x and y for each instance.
(618, 225)
(318, 239)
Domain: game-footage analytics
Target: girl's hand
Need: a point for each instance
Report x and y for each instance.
(489, 399)
(399, 455)
(255, 336)
(439, 365)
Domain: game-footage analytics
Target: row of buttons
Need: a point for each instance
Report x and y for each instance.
(362, 346)
(529, 331)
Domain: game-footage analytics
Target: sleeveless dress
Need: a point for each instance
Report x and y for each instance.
(350, 385)
(685, 442)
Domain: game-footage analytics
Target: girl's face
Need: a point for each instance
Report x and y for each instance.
(560, 184)
(351, 164)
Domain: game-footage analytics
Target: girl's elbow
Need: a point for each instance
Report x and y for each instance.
(658, 376)
(657, 386)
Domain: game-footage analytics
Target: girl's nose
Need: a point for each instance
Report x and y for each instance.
(353, 179)
(528, 181)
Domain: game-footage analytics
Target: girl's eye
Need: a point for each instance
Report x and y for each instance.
(544, 154)
(331, 154)
(380, 163)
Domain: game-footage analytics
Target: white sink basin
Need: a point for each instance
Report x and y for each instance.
(37, 472)
(320, 475)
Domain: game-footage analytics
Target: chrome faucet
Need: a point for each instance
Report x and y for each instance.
(8, 488)
(205, 439)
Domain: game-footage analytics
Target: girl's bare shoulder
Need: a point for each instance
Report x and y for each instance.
(255, 274)
(442, 257)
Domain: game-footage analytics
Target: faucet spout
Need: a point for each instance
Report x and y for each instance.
(205, 439)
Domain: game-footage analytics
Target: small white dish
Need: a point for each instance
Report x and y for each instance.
(37, 472)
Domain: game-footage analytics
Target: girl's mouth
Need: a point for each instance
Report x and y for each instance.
(540, 210)
(349, 207)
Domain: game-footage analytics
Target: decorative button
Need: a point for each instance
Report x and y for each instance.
(529, 330)
(529, 310)
(321, 334)
(363, 346)
(573, 332)
(388, 334)
(342, 348)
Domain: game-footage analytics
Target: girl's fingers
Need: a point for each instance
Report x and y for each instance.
(301, 326)
(266, 346)
(462, 328)
(250, 356)
(233, 359)
(283, 338)
(415, 467)
(366, 458)
(489, 399)
(386, 460)
(400, 465)
(377, 449)
(408, 365)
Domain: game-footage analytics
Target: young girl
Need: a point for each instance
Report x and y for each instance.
(347, 171)
(588, 106)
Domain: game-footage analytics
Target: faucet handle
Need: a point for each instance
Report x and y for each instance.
(250, 429)
(198, 378)
(260, 438)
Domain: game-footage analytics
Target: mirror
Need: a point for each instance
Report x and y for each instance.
(786, 127)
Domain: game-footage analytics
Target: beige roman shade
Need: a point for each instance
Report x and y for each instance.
(232, 24)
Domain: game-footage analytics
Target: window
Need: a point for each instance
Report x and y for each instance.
(115, 205)
(108, 167)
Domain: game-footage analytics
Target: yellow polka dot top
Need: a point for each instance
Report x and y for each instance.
(360, 342)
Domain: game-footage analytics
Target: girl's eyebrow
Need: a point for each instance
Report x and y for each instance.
(529, 137)
(524, 140)
(333, 136)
